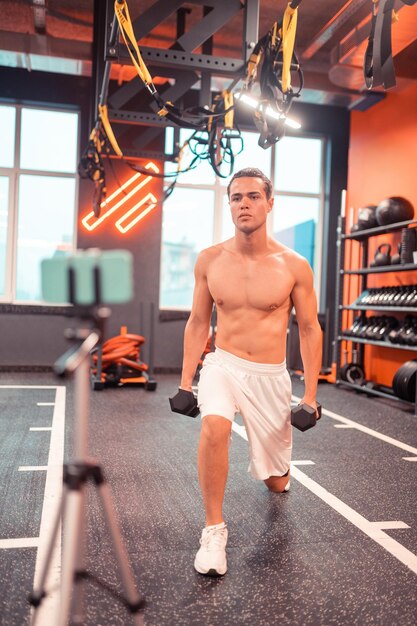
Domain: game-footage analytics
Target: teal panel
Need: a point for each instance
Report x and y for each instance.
(115, 270)
(304, 240)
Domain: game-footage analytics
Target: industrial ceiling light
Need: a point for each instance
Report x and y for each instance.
(254, 104)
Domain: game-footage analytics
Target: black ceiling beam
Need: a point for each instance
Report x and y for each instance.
(138, 117)
(127, 91)
(181, 59)
(180, 62)
(221, 13)
(251, 28)
(153, 16)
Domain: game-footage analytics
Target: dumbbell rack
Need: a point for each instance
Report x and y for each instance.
(363, 237)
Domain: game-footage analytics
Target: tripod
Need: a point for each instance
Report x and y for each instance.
(73, 505)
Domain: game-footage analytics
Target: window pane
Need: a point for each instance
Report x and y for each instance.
(202, 174)
(45, 226)
(298, 164)
(252, 155)
(228, 228)
(4, 203)
(7, 133)
(294, 223)
(49, 140)
(187, 228)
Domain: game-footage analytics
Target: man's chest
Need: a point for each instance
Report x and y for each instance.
(264, 286)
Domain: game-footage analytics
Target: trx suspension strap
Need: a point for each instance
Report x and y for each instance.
(289, 29)
(103, 115)
(223, 144)
(197, 115)
(276, 50)
(378, 63)
(91, 167)
(91, 164)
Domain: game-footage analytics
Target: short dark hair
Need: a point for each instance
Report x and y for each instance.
(252, 172)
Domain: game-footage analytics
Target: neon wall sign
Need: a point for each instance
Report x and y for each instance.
(113, 203)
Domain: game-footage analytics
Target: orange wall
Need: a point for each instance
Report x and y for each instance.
(382, 163)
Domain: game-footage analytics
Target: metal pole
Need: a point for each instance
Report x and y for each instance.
(339, 291)
(151, 336)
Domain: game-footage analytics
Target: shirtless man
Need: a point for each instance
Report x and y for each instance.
(254, 282)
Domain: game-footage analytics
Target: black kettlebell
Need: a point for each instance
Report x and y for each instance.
(383, 258)
(396, 258)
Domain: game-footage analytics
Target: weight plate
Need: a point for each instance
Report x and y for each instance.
(404, 381)
(355, 374)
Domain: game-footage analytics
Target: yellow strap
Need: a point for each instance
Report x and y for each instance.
(122, 14)
(164, 111)
(228, 102)
(274, 34)
(102, 111)
(289, 28)
(95, 138)
(181, 154)
(253, 63)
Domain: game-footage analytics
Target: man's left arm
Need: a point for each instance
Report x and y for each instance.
(305, 304)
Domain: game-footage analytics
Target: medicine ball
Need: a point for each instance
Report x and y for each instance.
(395, 209)
(367, 217)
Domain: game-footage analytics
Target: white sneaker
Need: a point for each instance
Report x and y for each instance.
(211, 557)
(287, 486)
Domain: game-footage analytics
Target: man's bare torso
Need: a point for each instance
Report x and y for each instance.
(253, 300)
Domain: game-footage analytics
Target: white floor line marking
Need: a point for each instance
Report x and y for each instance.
(28, 387)
(342, 426)
(46, 614)
(390, 525)
(368, 431)
(45, 403)
(32, 468)
(410, 458)
(302, 463)
(372, 529)
(19, 542)
(240, 430)
(40, 428)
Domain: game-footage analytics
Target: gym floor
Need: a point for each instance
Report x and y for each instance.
(339, 548)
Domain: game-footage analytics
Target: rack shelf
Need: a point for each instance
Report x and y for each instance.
(381, 270)
(379, 230)
(362, 237)
(374, 392)
(383, 344)
(390, 309)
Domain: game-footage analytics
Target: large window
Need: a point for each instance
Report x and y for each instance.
(38, 191)
(197, 213)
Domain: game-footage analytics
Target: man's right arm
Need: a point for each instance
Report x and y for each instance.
(198, 325)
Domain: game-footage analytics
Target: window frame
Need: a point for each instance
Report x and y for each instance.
(14, 173)
(219, 186)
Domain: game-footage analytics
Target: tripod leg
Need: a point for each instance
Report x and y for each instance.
(80, 568)
(135, 601)
(72, 530)
(38, 594)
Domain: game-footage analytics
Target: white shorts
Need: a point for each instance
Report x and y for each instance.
(261, 393)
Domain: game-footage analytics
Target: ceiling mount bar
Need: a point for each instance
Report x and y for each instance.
(330, 29)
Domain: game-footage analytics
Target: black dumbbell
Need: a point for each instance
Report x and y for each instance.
(304, 417)
(184, 402)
